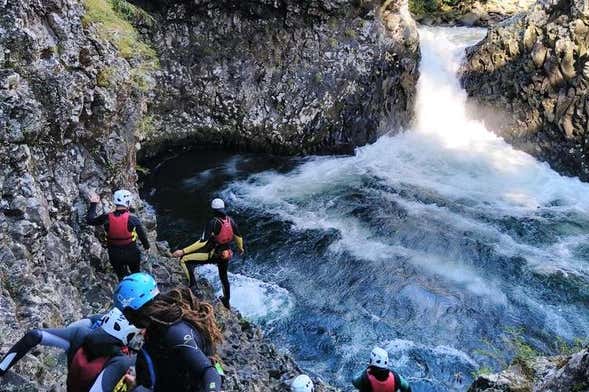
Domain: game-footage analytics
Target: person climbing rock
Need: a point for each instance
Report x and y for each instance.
(213, 248)
(302, 383)
(123, 229)
(378, 378)
(99, 354)
(181, 336)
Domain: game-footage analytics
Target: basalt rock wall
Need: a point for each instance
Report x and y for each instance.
(529, 78)
(285, 76)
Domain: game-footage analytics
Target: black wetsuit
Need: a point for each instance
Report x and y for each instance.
(206, 251)
(174, 359)
(95, 341)
(125, 259)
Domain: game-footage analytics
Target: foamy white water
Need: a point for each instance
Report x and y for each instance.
(256, 300)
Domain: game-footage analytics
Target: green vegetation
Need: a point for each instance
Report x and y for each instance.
(146, 125)
(132, 13)
(482, 371)
(564, 348)
(424, 7)
(113, 21)
(104, 77)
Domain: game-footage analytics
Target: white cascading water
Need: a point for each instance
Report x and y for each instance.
(431, 243)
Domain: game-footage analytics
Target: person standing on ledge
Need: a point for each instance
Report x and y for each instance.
(213, 248)
(378, 378)
(122, 229)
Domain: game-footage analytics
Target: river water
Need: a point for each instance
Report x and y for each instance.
(436, 244)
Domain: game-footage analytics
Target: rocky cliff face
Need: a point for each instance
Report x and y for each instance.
(68, 107)
(530, 77)
(283, 76)
(544, 374)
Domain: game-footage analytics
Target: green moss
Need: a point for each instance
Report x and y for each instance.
(425, 7)
(132, 13)
(350, 33)
(111, 19)
(318, 77)
(142, 170)
(146, 125)
(482, 371)
(562, 347)
(104, 77)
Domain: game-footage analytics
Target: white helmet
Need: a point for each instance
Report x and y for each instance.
(116, 325)
(379, 358)
(302, 383)
(217, 204)
(122, 197)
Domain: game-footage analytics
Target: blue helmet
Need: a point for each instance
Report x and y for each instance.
(135, 290)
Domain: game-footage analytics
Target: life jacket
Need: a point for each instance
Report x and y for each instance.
(225, 235)
(118, 229)
(83, 372)
(387, 385)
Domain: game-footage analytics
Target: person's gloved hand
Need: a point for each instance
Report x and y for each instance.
(94, 198)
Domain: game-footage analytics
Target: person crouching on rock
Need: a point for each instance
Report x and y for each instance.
(122, 230)
(213, 248)
(99, 354)
(180, 340)
(378, 378)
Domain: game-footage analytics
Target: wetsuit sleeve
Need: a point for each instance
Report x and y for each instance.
(93, 219)
(135, 224)
(112, 374)
(183, 339)
(62, 338)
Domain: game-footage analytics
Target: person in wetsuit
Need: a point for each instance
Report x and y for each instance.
(123, 229)
(180, 340)
(99, 351)
(378, 378)
(213, 248)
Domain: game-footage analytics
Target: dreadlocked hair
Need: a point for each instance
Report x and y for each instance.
(180, 304)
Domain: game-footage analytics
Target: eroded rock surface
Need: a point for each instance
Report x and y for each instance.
(529, 78)
(284, 76)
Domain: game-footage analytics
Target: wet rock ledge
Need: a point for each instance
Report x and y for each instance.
(543, 374)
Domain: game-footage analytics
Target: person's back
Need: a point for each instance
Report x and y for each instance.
(171, 355)
(181, 336)
(378, 378)
(123, 229)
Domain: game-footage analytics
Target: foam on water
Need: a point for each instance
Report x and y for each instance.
(258, 301)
